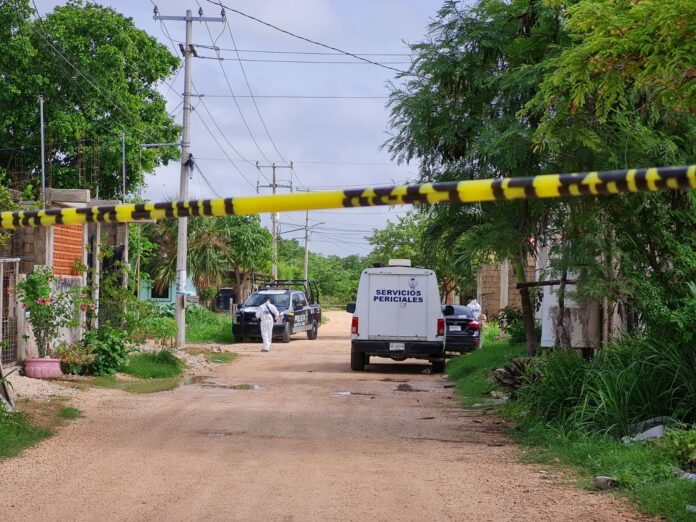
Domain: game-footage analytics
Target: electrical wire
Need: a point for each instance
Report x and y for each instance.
(205, 179)
(333, 62)
(297, 96)
(310, 53)
(251, 94)
(227, 8)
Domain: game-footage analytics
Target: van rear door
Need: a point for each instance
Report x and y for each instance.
(398, 307)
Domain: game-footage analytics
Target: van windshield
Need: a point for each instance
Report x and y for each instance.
(281, 300)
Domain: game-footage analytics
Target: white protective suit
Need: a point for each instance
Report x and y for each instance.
(268, 313)
(475, 308)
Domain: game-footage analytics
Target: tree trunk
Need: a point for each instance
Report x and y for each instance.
(562, 336)
(527, 308)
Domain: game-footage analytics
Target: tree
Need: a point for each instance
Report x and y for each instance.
(624, 95)
(458, 112)
(98, 74)
(220, 248)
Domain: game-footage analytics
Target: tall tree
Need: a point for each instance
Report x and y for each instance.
(458, 111)
(98, 74)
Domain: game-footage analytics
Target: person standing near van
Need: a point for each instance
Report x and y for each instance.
(268, 314)
(473, 305)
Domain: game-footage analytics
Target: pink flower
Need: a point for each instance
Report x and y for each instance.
(41, 301)
(92, 307)
(24, 307)
(84, 327)
(83, 307)
(51, 301)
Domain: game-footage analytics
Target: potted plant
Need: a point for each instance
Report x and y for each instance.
(48, 308)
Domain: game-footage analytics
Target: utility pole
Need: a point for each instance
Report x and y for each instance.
(188, 51)
(123, 197)
(43, 152)
(306, 237)
(274, 215)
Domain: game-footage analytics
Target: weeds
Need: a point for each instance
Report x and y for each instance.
(153, 365)
(204, 326)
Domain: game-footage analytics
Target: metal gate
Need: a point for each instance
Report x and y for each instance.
(9, 267)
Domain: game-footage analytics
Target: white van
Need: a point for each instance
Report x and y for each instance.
(397, 315)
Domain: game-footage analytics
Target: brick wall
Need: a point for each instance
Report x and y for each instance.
(68, 246)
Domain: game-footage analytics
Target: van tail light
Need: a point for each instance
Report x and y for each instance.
(354, 326)
(474, 325)
(440, 327)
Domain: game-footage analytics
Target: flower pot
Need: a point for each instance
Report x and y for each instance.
(42, 368)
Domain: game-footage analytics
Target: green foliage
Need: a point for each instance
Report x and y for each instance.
(644, 471)
(75, 357)
(113, 86)
(681, 444)
(220, 249)
(161, 329)
(110, 348)
(630, 381)
(471, 371)
(153, 365)
(336, 278)
(49, 306)
(70, 413)
(220, 357)
(137, 386)
(17, 434)
(204, 326)
(515, 374)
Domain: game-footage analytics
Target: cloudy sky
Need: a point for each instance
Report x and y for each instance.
(332, 142)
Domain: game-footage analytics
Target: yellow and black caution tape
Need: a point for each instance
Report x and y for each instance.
(536, 187)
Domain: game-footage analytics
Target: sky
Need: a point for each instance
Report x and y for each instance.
(332, 143)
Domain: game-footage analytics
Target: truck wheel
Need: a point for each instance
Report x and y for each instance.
(312, 333)
(438, 365)
(357, 361)
(286, 333)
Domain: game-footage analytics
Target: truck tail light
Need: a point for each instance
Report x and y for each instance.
(354, 326)
(474, 325)
(440, 327)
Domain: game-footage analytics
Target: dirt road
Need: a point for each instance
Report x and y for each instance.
(298, 447)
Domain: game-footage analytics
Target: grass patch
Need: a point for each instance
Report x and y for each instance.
(153, 365)
(70, 413)
(35, 421)
(470, 371)
(204, 326)
(137, 385)
(17, 434)
(152, 385)
(644, 471)
(220, 357)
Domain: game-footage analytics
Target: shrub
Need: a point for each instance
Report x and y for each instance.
(75, 358)
(627, 382)
(681, 444)
(153, 365)
(161, 329)
(110, 348)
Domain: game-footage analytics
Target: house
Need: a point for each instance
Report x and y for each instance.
(147, 292)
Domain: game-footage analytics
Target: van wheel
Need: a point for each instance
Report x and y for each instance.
(286, 333)
(357, 361)
(312, 333)
(438, 365)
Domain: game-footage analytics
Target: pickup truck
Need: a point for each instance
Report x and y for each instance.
(297, 300)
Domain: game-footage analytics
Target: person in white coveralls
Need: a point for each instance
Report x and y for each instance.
(268, 314)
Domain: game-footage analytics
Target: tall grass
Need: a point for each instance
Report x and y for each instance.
(153, 365)
(628, 382)
(471, 371)
(204, 326)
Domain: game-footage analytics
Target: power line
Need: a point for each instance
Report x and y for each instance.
(310, 53)
(239, 109)
(206, 180)
(246, 80)
(366, 60)
(298, 96)
(334, 62)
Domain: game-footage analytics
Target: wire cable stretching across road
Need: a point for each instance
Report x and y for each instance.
(501, 189)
